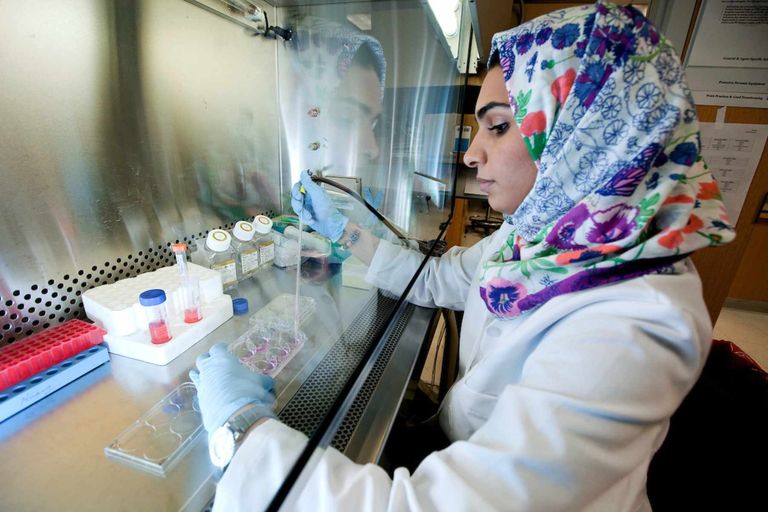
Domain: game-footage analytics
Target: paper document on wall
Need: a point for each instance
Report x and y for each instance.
(732, 152)
(727, 63)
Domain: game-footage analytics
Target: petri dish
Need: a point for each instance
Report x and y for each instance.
(260, 363)
(185, 422)
(285, 348)
(241, 350)
(161, 417)
(184, 396)
(275, 355)
(161, 446)
(135, 439)
(259, 342)
(162, 435)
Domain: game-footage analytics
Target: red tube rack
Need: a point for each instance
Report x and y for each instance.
(37, 353)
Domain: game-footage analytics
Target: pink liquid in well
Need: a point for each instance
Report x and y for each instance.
(158, 333)
(192, 315)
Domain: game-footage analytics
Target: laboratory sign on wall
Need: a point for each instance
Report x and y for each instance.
(727, 63)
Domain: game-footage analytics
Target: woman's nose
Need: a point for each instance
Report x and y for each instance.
(370, 145)
(473, 157)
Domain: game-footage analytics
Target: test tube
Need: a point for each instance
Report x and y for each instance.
(190, 286)
(154, 306)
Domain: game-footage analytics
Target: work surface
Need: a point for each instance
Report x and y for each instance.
(53, 452)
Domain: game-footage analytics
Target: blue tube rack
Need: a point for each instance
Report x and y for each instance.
(37, 387)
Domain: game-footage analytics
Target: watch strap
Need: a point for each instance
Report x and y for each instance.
(236, 428)
(242, 421)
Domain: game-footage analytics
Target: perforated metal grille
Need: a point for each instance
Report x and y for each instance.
(352, 419)
(315, 397)
(53, 301)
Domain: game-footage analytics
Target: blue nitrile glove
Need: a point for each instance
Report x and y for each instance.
(224, 385)
(373, 201)
(317, 211)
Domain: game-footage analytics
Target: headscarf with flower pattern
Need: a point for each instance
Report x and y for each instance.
(602, 105)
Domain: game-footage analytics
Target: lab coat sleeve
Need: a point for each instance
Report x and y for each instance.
(444, 281)
(576, 432)
(267, 455)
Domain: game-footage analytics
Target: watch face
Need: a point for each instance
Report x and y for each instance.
(222, 447)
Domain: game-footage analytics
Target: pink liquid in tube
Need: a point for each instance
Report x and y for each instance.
(192, 315)
(158, 333)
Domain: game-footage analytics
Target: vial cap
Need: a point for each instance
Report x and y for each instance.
(262, 224)
(179, 247)
(152, 297)
(243, 230)
(240, 306)
(218, 240)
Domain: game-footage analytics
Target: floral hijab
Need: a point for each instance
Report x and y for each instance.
(622, 191)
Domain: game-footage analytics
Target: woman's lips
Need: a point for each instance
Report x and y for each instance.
(484, 184)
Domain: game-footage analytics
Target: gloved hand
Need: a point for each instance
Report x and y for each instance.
(376, 202)
(373, 201)
(317, 210)
(224, 385)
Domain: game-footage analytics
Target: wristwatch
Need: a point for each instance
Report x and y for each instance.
(227, 437)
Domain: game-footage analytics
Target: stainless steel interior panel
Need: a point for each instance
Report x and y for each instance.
(125, 125)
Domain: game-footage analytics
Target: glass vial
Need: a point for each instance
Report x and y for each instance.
(246, 249)
(217, 255)
(263, 227)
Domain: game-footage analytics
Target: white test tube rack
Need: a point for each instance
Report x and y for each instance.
(115, 307)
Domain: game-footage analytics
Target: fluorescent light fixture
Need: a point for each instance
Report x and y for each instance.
(361, 21)
(445, 12)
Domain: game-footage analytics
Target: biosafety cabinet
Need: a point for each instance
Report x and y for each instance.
(129, 126)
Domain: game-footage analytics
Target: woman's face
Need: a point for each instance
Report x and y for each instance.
(505, 169)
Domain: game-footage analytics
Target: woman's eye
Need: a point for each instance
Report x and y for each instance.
(500, 128)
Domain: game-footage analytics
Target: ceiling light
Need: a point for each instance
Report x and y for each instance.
(445, 13)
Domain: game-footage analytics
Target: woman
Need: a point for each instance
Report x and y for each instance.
(584, 322)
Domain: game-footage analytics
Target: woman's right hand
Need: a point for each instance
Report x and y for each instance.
(315, 208)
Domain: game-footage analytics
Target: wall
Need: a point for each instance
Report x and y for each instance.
(751, 281)
(738, 270)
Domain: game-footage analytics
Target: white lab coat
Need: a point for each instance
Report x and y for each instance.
(559, 409)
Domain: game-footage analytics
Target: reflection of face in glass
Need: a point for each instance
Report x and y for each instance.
(331, 93)
(354, 115)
